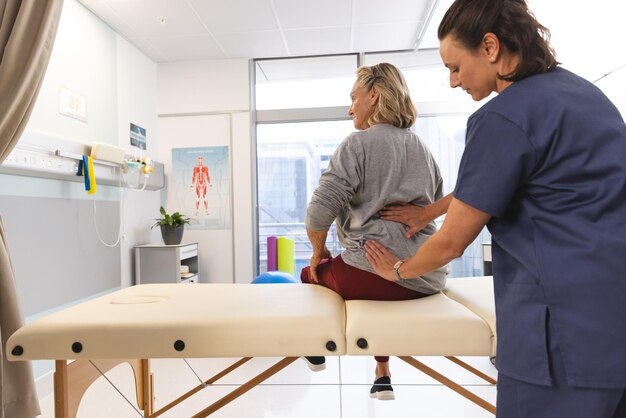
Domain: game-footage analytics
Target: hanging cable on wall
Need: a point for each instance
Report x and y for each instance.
(121, 228)
(143, 167)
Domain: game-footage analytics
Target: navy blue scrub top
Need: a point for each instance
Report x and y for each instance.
(546, 159)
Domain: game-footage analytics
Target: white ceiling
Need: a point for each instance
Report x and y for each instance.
(181, 30)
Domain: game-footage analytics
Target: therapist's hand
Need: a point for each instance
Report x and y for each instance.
(414, 217)
(316, 259)
(381, 260)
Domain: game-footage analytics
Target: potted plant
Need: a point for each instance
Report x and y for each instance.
(172, 226)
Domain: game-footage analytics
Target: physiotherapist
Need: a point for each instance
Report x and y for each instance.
(544, 168)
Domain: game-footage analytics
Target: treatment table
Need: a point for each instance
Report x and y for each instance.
(151, 321)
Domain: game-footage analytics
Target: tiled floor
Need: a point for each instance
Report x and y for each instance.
(340, 391)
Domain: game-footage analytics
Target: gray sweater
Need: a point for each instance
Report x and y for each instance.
(370, 169)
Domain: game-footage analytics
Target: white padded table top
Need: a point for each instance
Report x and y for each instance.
(211, 320)
(431, 326)
(476, 294)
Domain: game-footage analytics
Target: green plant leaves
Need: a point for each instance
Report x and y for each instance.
(175, 219)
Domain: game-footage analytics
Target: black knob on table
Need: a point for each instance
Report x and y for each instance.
(179, 345)
(361, 343)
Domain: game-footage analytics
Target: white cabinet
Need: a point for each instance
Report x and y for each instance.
(487, 269)
(156, 263)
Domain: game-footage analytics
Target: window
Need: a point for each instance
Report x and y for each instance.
(302, 106)
(290, 160)
(445, 137)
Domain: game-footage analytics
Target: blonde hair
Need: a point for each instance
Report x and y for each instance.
(394, 105)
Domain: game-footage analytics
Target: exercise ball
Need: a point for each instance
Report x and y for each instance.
(274, 277)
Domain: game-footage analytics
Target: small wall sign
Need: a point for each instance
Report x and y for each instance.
(137, 136)
(72, 104)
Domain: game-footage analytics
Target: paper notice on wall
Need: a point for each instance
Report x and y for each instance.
(72, 104)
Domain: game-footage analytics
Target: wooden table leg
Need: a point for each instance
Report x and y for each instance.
(72, 380)
(60, 390)
(449, 383)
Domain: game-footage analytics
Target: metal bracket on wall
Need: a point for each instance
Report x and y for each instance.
(34, 160)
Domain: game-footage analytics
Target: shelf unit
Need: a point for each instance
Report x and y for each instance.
(487, 268)
(158, 263)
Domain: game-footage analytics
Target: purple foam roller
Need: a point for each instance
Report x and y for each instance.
(272, 254)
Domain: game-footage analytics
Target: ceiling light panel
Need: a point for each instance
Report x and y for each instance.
(313, 41)
(227, 16)
(386, 37)
(390, 11)
(300, 14)
(145, 17)
(252, 44)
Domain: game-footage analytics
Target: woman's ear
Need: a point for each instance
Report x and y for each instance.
(490, 46)
(373, 95)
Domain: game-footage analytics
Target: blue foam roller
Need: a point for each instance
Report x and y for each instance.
(274, 277)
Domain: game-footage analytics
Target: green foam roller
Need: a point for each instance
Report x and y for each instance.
(286, 255)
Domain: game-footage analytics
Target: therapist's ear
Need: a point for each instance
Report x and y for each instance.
(490, 46)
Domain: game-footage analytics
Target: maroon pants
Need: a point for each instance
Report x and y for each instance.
(353, 283)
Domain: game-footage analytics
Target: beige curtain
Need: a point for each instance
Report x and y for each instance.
(27, 31)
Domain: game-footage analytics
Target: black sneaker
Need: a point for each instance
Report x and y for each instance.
(382, 389)
(316, 364)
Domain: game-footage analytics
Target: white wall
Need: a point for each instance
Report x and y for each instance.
(200, 87)
(244, 246)
(83, 60)
(207, 103)
(119, 85)
(136, 93)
